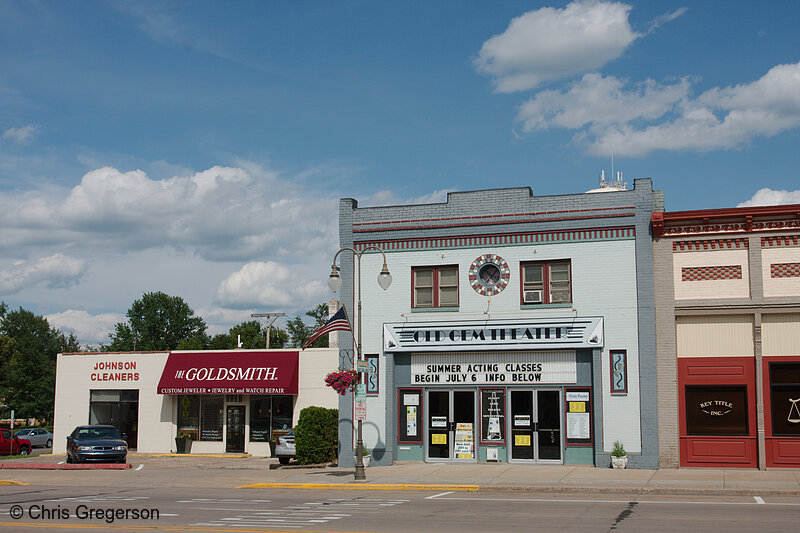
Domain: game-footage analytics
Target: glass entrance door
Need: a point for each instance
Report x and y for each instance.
(234, 434)
(535, 425)
(451, 425)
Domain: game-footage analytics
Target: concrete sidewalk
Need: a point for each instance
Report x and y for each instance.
(540, 478)
(237, 471)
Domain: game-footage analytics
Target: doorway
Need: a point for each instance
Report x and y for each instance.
(536, 426)
(451, 425)
(234, 433)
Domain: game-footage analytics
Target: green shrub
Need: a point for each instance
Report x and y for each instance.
(618, 450)
(316, 436)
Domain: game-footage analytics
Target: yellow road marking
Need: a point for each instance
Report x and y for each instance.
(361, 486)
(11, 482)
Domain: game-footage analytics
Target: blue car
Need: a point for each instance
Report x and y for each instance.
(96, 444)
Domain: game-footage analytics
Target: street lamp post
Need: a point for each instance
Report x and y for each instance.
(335, 283)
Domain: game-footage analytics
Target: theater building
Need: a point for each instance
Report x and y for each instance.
(728, 329)
(517, 328)
(229, 401)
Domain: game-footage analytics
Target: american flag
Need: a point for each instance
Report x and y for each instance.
(338, 321)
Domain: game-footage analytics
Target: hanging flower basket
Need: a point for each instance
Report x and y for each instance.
(342, 381)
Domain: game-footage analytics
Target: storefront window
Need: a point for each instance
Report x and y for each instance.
(120, 408)
(716, 410)
(259, 418)
(493, 415)
(784, 379)
(211, 417)
(189, 415)
(281, 413)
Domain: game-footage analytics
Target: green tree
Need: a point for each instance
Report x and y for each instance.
(28, 350)
(299, 332)
(159, 322)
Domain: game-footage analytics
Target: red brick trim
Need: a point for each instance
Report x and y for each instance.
(707, 273)
(780, 240)
(784, 270)
(711, 244)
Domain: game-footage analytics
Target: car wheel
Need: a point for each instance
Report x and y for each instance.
(123, 461)
(283, 460)
(69, 459)
(48, 444)
(24, 451)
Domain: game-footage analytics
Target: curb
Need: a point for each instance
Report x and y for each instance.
(207, 455)
(56, 466)
(361, 486)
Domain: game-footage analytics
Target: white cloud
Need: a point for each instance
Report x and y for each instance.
(88, 329)
(767, 196)
(600, 101)
(56, 271)
(386, 197)
(550, 44)
(666, 17)
(23, 135)
(612, 118)
(269, 284)
(222, 213)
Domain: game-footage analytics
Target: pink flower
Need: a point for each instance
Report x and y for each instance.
(342, 381)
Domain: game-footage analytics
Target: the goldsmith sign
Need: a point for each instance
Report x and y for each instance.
(520, 334)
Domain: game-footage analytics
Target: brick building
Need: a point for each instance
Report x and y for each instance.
(728, 328)
(517, 327)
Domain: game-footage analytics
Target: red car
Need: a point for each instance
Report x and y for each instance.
(10, 444)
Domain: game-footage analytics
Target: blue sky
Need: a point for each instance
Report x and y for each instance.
(200, 148)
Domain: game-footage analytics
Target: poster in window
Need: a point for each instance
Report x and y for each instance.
(464, 446)
(619, 372)
(493, 415)
(578, 419)
(408, 416)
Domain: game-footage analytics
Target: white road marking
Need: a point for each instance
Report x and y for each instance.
(640, 502)
(139, 467)
(437, 495)
(760, 500)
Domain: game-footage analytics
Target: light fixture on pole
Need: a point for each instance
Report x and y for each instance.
(335, 283)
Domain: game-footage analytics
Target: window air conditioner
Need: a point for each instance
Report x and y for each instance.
(532, 297)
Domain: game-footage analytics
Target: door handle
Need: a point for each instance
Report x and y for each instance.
(536, 426)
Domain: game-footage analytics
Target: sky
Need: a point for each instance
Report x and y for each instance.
(200, 148)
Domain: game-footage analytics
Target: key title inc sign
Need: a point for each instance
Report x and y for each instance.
(500, 369)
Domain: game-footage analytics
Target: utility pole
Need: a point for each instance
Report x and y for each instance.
(271, 317)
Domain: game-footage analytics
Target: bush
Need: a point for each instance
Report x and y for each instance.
(316, 436)
(618, 450)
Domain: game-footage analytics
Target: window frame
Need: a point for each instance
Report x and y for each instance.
(547, 297)
(436, 286)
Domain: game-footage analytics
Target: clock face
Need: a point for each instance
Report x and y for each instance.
(489, 274)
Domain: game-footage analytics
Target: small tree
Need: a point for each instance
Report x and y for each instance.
(316, 435)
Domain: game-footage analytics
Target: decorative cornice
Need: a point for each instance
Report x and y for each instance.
(780, 240)
(500, 240)
(717, 221)
(493, 219)
(709, 244)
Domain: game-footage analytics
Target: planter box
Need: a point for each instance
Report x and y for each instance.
(619, 462)
(183, 445)
(365, 459)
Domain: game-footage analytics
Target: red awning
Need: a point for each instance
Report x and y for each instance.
(234, 372)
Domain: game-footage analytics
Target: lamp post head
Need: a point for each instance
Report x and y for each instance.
(334, 281)
(384, 278)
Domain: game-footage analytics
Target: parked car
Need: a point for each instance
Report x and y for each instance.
(37, 436)
(10, 444)
(285, 449)
(96, 443)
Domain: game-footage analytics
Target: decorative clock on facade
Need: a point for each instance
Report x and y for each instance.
(489, 274)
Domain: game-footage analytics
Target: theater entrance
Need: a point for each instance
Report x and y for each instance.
(451, 425)
(535, 426)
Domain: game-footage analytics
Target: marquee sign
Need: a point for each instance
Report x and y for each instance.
(521, 368)
(520, 334)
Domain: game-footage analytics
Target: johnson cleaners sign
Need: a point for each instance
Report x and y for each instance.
(521, 334)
